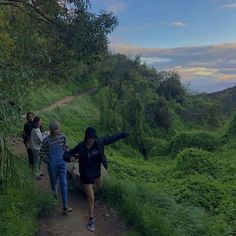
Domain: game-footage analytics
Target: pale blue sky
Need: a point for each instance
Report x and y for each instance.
(190, 36)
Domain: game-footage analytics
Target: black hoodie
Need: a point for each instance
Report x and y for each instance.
(90, 159)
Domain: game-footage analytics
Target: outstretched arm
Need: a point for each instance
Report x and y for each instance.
(109, 139)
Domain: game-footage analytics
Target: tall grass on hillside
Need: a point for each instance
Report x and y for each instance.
(151, 212)
(8, 173)
(21, 204)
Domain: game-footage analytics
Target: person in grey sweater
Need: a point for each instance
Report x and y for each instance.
(36, 139)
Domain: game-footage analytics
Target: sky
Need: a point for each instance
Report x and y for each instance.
(196, 38)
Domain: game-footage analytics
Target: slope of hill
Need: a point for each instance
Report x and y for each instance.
(186, 193)
(225, 98)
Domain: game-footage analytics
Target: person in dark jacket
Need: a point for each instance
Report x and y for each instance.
(28, 126)
(90, 153)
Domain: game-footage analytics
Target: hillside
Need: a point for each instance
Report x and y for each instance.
(226, 100)
(187, 191)
(174, 175)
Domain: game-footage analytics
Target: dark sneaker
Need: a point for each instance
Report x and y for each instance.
(66, 210)
(41, 174)
(91, 225)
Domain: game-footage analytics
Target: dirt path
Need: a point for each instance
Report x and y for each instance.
(74, 223)
(62, 102)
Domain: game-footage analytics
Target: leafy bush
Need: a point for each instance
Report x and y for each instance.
(158, 114)
(200, 110)
(192, 161)
(20, 207)
(197, 139)
(201, 191)
(156, 147)
(151, 212)
(231, 128)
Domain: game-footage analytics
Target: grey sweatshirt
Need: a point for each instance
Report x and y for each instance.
(36, 139)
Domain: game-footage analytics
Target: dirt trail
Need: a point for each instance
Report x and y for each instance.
(62, 102)
(74, 223)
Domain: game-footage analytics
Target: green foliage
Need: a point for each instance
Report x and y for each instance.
(74, 119)
(133, 233)
(170, 86)
(230, 131)
(37, 38)
(201, 191)
(159, 115)
(196, 161)
(155, 146)
(225, 100)
(8, 173)
(48, 52)
(151, 212)
(198, 139)
(21, 206)
(157, 175)
(200, 110)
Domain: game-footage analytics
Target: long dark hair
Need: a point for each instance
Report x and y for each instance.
(27, 115)
(36, 122)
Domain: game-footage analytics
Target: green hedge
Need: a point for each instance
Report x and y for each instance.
(151, 212)
(201, 191)
(192, 161)
(198, 139)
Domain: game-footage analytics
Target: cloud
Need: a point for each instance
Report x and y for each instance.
(117, 7)
(135, 28)
(212, 63)
(198, 71)
(111, 5)
(178, 24)
(229, 5)
(228, 77)
(152, 60)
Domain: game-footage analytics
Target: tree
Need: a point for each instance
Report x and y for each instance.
(170, 86)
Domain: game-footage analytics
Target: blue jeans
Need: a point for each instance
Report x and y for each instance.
(55, 172)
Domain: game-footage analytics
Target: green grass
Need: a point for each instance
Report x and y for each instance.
(21, 206)
(155, 197)
(164, 195)
(48, 93)
(74, 119)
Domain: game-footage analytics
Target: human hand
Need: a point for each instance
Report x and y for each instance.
(125, 134)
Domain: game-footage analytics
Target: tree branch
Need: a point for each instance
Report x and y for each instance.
(16, 3)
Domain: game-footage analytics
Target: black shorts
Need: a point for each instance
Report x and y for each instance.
(88, 180)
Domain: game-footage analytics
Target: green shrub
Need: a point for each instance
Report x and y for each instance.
(20, 207)
(156, 147)
(201, 191)
(133, 233)
(195, 161)
(231, 128)
(197, 139)
(149, 211)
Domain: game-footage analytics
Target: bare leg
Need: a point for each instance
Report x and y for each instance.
(98, 184)
(90, 196)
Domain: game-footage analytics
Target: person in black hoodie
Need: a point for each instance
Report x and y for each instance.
(28, 126)
(90, 153)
